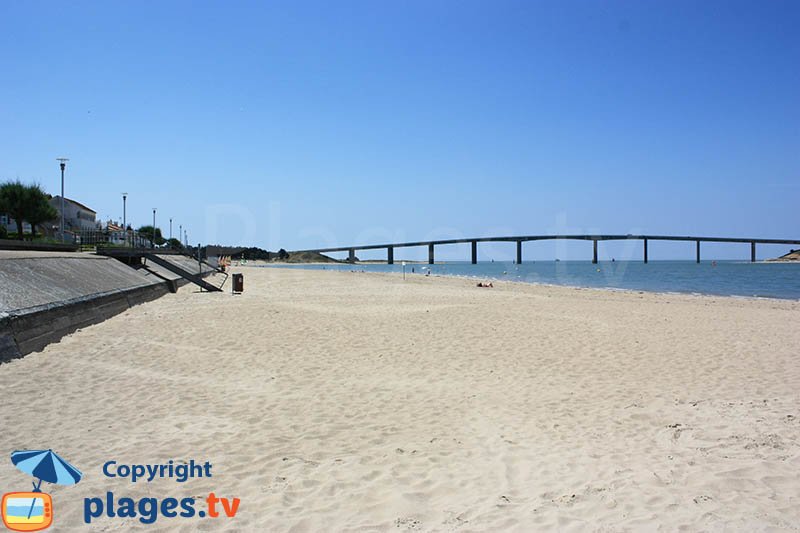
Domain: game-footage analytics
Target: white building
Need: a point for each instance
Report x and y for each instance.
(77, 216)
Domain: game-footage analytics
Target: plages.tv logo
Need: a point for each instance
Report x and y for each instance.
(33, 511)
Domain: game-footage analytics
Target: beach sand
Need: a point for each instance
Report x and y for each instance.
(339, 401)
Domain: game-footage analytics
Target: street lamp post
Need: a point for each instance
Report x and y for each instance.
(125, 216)
(153, 234)
(180, 231)
(170, 228)
(63, 163)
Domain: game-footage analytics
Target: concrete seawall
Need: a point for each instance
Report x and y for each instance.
(47, 295)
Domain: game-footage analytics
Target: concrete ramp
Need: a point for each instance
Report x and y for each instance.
(171, 264)
(30, 280)
(46, 295)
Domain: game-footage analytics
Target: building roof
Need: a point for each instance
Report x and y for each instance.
(78, 204)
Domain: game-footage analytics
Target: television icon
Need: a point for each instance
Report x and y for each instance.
(27, 511)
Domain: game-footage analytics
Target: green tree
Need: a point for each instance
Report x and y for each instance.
(13, 202)
(175, 244)
(147, 233)
(38, 208)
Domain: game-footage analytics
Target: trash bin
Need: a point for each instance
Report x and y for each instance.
(238, 283)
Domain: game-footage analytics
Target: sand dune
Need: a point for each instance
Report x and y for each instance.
(337, 401)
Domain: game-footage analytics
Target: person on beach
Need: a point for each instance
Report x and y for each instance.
(487, 285)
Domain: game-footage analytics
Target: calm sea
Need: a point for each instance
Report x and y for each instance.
(726, 278)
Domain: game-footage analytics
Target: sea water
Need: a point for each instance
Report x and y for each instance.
(725, 278)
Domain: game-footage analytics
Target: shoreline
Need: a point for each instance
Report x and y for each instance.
(299, 266)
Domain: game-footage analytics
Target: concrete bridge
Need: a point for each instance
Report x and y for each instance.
(527, 238)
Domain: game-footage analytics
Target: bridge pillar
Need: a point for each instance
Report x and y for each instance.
(519, 252)
(430, 254)
(753, 252)
(474, 252)
(351, 255)
(594, 251)
(645, 251)
(698, 251)
(390, 255)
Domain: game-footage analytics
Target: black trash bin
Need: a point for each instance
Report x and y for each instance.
(238, 283)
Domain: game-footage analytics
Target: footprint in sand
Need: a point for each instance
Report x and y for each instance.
(409, 524)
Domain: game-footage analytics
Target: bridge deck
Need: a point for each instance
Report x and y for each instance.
(527, 238)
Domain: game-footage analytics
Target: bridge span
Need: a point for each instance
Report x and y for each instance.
(527, 238)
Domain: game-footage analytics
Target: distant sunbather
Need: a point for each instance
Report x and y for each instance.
(482, 284)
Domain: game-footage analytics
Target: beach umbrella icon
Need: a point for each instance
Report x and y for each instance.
(45, 465)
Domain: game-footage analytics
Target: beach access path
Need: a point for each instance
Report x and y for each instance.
(340, 401)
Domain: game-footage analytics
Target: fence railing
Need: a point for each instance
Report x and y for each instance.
(131, 238)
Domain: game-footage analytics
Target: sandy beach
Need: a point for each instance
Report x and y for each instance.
(338, 401)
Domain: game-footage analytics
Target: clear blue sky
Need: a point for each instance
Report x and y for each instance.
(302, 124)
